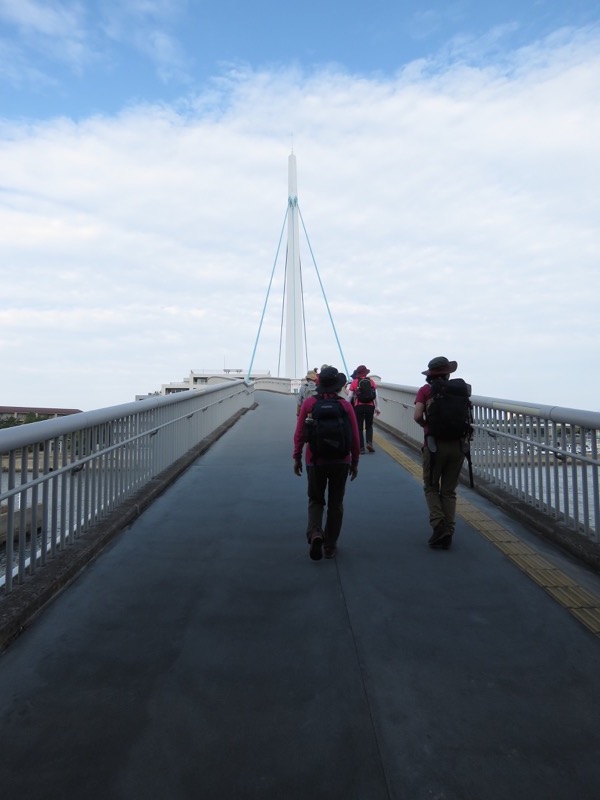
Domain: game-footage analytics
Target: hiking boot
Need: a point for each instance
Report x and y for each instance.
(315, 541)
(443, 544)
(329, 550)
(439, 535)
(370, 447)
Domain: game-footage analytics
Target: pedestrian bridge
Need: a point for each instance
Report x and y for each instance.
(203, 655)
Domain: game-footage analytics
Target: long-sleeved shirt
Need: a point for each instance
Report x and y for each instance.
(299, 442)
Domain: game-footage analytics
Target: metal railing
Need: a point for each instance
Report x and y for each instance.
(545, 456)
(62, 476)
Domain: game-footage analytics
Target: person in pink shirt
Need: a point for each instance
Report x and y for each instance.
(365, 407)
(442, 461)
(326, 474)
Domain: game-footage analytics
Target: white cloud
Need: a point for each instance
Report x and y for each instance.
(144, 24)
(55, 32)
(47, 18)
(450, 210)
(54, 28)
(424, 23)
(17, 71)
(166, 53)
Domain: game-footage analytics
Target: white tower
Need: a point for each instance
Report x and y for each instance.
(294, 342)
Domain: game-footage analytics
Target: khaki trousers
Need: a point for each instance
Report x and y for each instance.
(441, 473)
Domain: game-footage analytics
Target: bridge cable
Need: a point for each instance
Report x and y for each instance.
(323, 291)
(285, 279)
(303, 318)
(266, 298)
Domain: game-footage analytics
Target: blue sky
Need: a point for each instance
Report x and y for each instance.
(98, 56)
(447, 170)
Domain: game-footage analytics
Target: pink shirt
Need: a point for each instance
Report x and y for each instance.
(306, 408)
(423, 396)
(353, 388)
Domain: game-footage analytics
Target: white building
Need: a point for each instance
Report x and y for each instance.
(198, 379)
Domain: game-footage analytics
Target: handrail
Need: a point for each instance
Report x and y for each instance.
(545, 456)
(62, 476)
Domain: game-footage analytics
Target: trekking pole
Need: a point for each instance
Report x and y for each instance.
(432, 447)
(470, 463)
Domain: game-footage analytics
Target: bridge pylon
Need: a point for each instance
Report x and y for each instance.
(295, 325)
(294, 328)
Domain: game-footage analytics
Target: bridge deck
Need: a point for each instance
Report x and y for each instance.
(203, 655)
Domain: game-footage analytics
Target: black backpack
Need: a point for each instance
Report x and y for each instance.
(449, 411)
(327, 429)
(365, 392)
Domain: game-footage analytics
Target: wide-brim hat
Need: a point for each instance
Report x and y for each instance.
(361, 370)
(330, 380)
(440, 366)
(311, 375)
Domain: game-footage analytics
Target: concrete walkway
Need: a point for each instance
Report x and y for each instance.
(203, 656)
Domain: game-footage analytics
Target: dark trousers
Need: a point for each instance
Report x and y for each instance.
(364, 417)
(330, 479)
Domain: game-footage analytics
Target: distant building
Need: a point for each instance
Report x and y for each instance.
(198, 379)
(20, 412)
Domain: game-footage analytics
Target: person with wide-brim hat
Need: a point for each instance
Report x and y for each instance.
(327, 467)
(330, 380)
(440, 366)
(366, 405)
(307, 389)
(442, 459)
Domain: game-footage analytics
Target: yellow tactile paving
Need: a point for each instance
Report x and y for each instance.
(520, 551)
(581, 603)
(532, 563)
(493, 535)
(590, 618)
(551, 577)
(573, 597)
(408, 463)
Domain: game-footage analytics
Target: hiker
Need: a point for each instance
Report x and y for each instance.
(308, 388)
(443, 410)
(327, 425)
(363, 396)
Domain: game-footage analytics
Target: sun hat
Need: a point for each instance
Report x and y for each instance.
(360, 371)
(311, 375)
(440, 366)
(330, 380)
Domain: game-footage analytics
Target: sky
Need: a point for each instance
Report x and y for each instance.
(448, 179)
